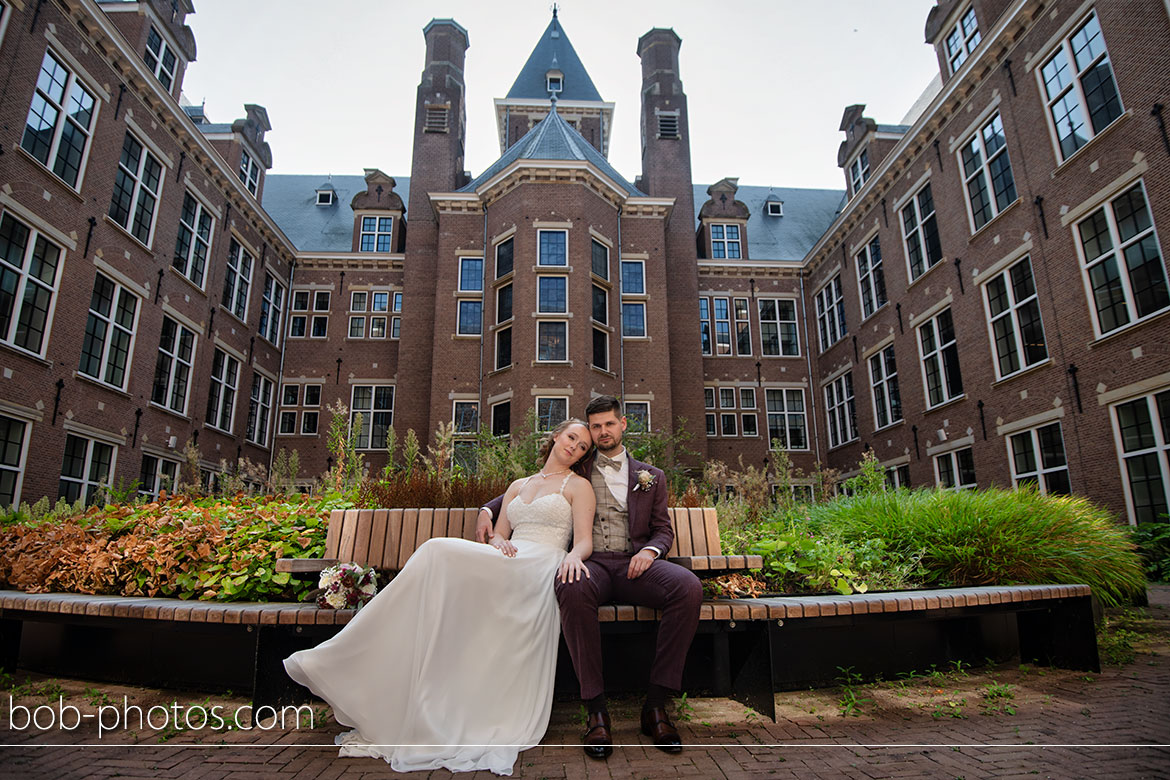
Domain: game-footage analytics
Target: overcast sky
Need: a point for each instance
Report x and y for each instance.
(766, 80)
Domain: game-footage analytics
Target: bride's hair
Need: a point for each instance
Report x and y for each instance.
(547, 442)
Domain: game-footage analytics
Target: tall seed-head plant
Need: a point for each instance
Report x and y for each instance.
(391, 446)
(410, 450)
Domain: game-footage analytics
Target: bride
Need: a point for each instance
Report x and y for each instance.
(452, 665)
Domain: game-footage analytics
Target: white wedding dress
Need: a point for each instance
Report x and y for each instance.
(452, 665)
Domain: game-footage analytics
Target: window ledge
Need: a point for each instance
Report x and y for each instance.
(603, 371)
(552, 315)
(1124, 329)
(564, 363)
(991, 222)
(559, 269)
(25, 354)
(797, 356)
(890, 426)
(166, 410)
(875, 313)
(844, 444)
(1088, 145)
(99, 383)
(926, 273)
(649, 339)
(496, 371)
(128, 234)
(945, 404)
(188, 281)
(216, 429)
(464, 337)
(53, 176)
(231, 313)
(1017, 374)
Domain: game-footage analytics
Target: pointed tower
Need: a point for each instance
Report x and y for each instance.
(437, 166)
(554, 69)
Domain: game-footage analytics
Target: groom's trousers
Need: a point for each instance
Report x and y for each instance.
(664, 586)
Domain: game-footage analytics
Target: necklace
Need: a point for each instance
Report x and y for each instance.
(542, 475)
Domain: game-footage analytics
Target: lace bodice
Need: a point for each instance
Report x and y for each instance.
(548, 519)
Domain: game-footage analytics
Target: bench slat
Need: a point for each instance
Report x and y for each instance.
(361, 542)
(682, 533)
(348, 536)
(673, 551)
(698, 533)
(378, 539)
(409, 529)
(393, 539)
(469, 517)
(711, 526)
(333, 533)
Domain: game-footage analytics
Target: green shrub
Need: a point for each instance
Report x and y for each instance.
(1153, 541)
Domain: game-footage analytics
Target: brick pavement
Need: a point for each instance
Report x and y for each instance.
(1043, 724)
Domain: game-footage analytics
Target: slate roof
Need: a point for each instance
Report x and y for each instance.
(553, 139)
(808, 214)
(553, 51)
(291, 200)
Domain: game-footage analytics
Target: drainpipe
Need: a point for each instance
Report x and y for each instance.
(620, 328)
(292, 268)
(483, 308)
(812, 401)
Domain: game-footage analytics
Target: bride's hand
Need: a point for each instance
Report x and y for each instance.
(572, 569)
(504, 545)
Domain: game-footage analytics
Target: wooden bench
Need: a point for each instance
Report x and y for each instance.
(386, 538)
(755, 647)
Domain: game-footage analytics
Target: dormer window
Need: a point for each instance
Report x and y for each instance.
(555, 83)
(324, 197)
(160, 59)
(249, 171)
(775, 208)
(962, 40)
(858, 171)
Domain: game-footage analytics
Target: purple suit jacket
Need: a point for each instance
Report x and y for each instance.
(649, 521)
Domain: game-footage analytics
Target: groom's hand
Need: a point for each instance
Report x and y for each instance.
(483, 527)
(640, 563)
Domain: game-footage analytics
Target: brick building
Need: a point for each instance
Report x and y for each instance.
(984, 303)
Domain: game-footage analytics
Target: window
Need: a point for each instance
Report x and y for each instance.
(775, 208)
(502, 419)
(709, 403)
(109, 333)
(504, 258)
(1143, 433)
(249, 171)
(1037, 457)
(1013, 312)
(871, 279)
(841, 410)
(962, 39)
(357, 327)
(725, 241)
(940, 359)
(160, 59)
(638, 415)
(309, 422)
(553, 247)
(898, 476)
(1077, 79)
(727, 398)
(743, 327)
(749, 425)
(727, 424)
(320, 323)
(28, 284)
(193, 244)
(601, 349)
(600, 260)
(298, 322)
(858, 171)
(1122, 262)
(470, 318)
(59, 121)
(955, 469)
(778, 327)
(600, 311)
(172, 369)
(466, 417)
(221, 399)
(376, 234)
(883, 378)
(357, 301)
(271, 305)
(88, 467)
(787, 428)
(471, 274)
(503, 348)
(633, 277)
(705, 325)
(312, 395)
(12, 455)
(136, 189)
(156, 475)
(290, 395)
(380, 300)
(831, 313)
(504, 303)
(551, 412)
(920, 232)
(552, 341)
(325, 197)
(375, 404)
(988, 173)
(287, 424)
(552, 294)
(237, 280)
(633, 320)
(554, 84)
(722, 326)
(259, 411)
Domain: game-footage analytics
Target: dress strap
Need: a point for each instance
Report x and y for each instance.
(564, 482)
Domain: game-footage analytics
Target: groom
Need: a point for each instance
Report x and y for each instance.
(631, 536)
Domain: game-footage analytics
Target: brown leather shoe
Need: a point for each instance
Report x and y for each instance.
(597, 740)
(656, 725)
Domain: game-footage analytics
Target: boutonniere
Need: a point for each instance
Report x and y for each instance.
(646, 480)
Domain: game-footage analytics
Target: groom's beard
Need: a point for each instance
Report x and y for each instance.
(614, 447)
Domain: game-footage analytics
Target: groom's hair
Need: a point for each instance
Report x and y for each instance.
(602, 404)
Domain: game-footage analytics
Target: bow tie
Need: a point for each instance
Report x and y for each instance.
(605, 462)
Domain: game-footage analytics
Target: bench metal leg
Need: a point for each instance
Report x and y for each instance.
(10, 631)
(1061, 635)
(750, 665)
(271, 685)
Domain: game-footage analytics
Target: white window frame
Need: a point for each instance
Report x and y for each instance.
(779, 324)
(540, 259)
(191, 263)
(361, 329)
(962, 39)
(353, 300)
(722, 342)
(726, 241)
(318, 316)
(915, 237)
(63, 117)
(500, 334)
(784, 414)
(176, 365)
(306, 416)
(1115, 253)
(939, 354)
(375, 233)
(237, 280)
(223, 393)
(627, 271)
(604, 333)
(955, 468)
(286, 414)
(884, 390)
(159, 67)
(593, 259)
(158, 472)
(976, 163)
(1159, 449)
(841, 411)
(546, 306)
(706, 333)
(463, 327)
(17, 468)
(476, 280)
(249, 171)
(541, 325)
(460, 429)
(137, 216)
(1040, 473)
(509, 242)
(36, 245)
(728, 425)
(271, 309)
(550, 423)
(871, 278)
(365, 436)
(858, 171)
(630, 324)
(830, 303)
(741, 314)
(1009, 320)
(631, 415)
(259, 410)
(87, 479)
(110, 327)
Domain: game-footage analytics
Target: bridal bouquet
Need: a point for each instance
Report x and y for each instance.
(346, 586)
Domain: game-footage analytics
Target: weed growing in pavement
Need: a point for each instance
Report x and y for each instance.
(997, 697)
(850, 703)
(684, 709)
(949, 708)
(959, 671)
(95, 697)
(1116, 646)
